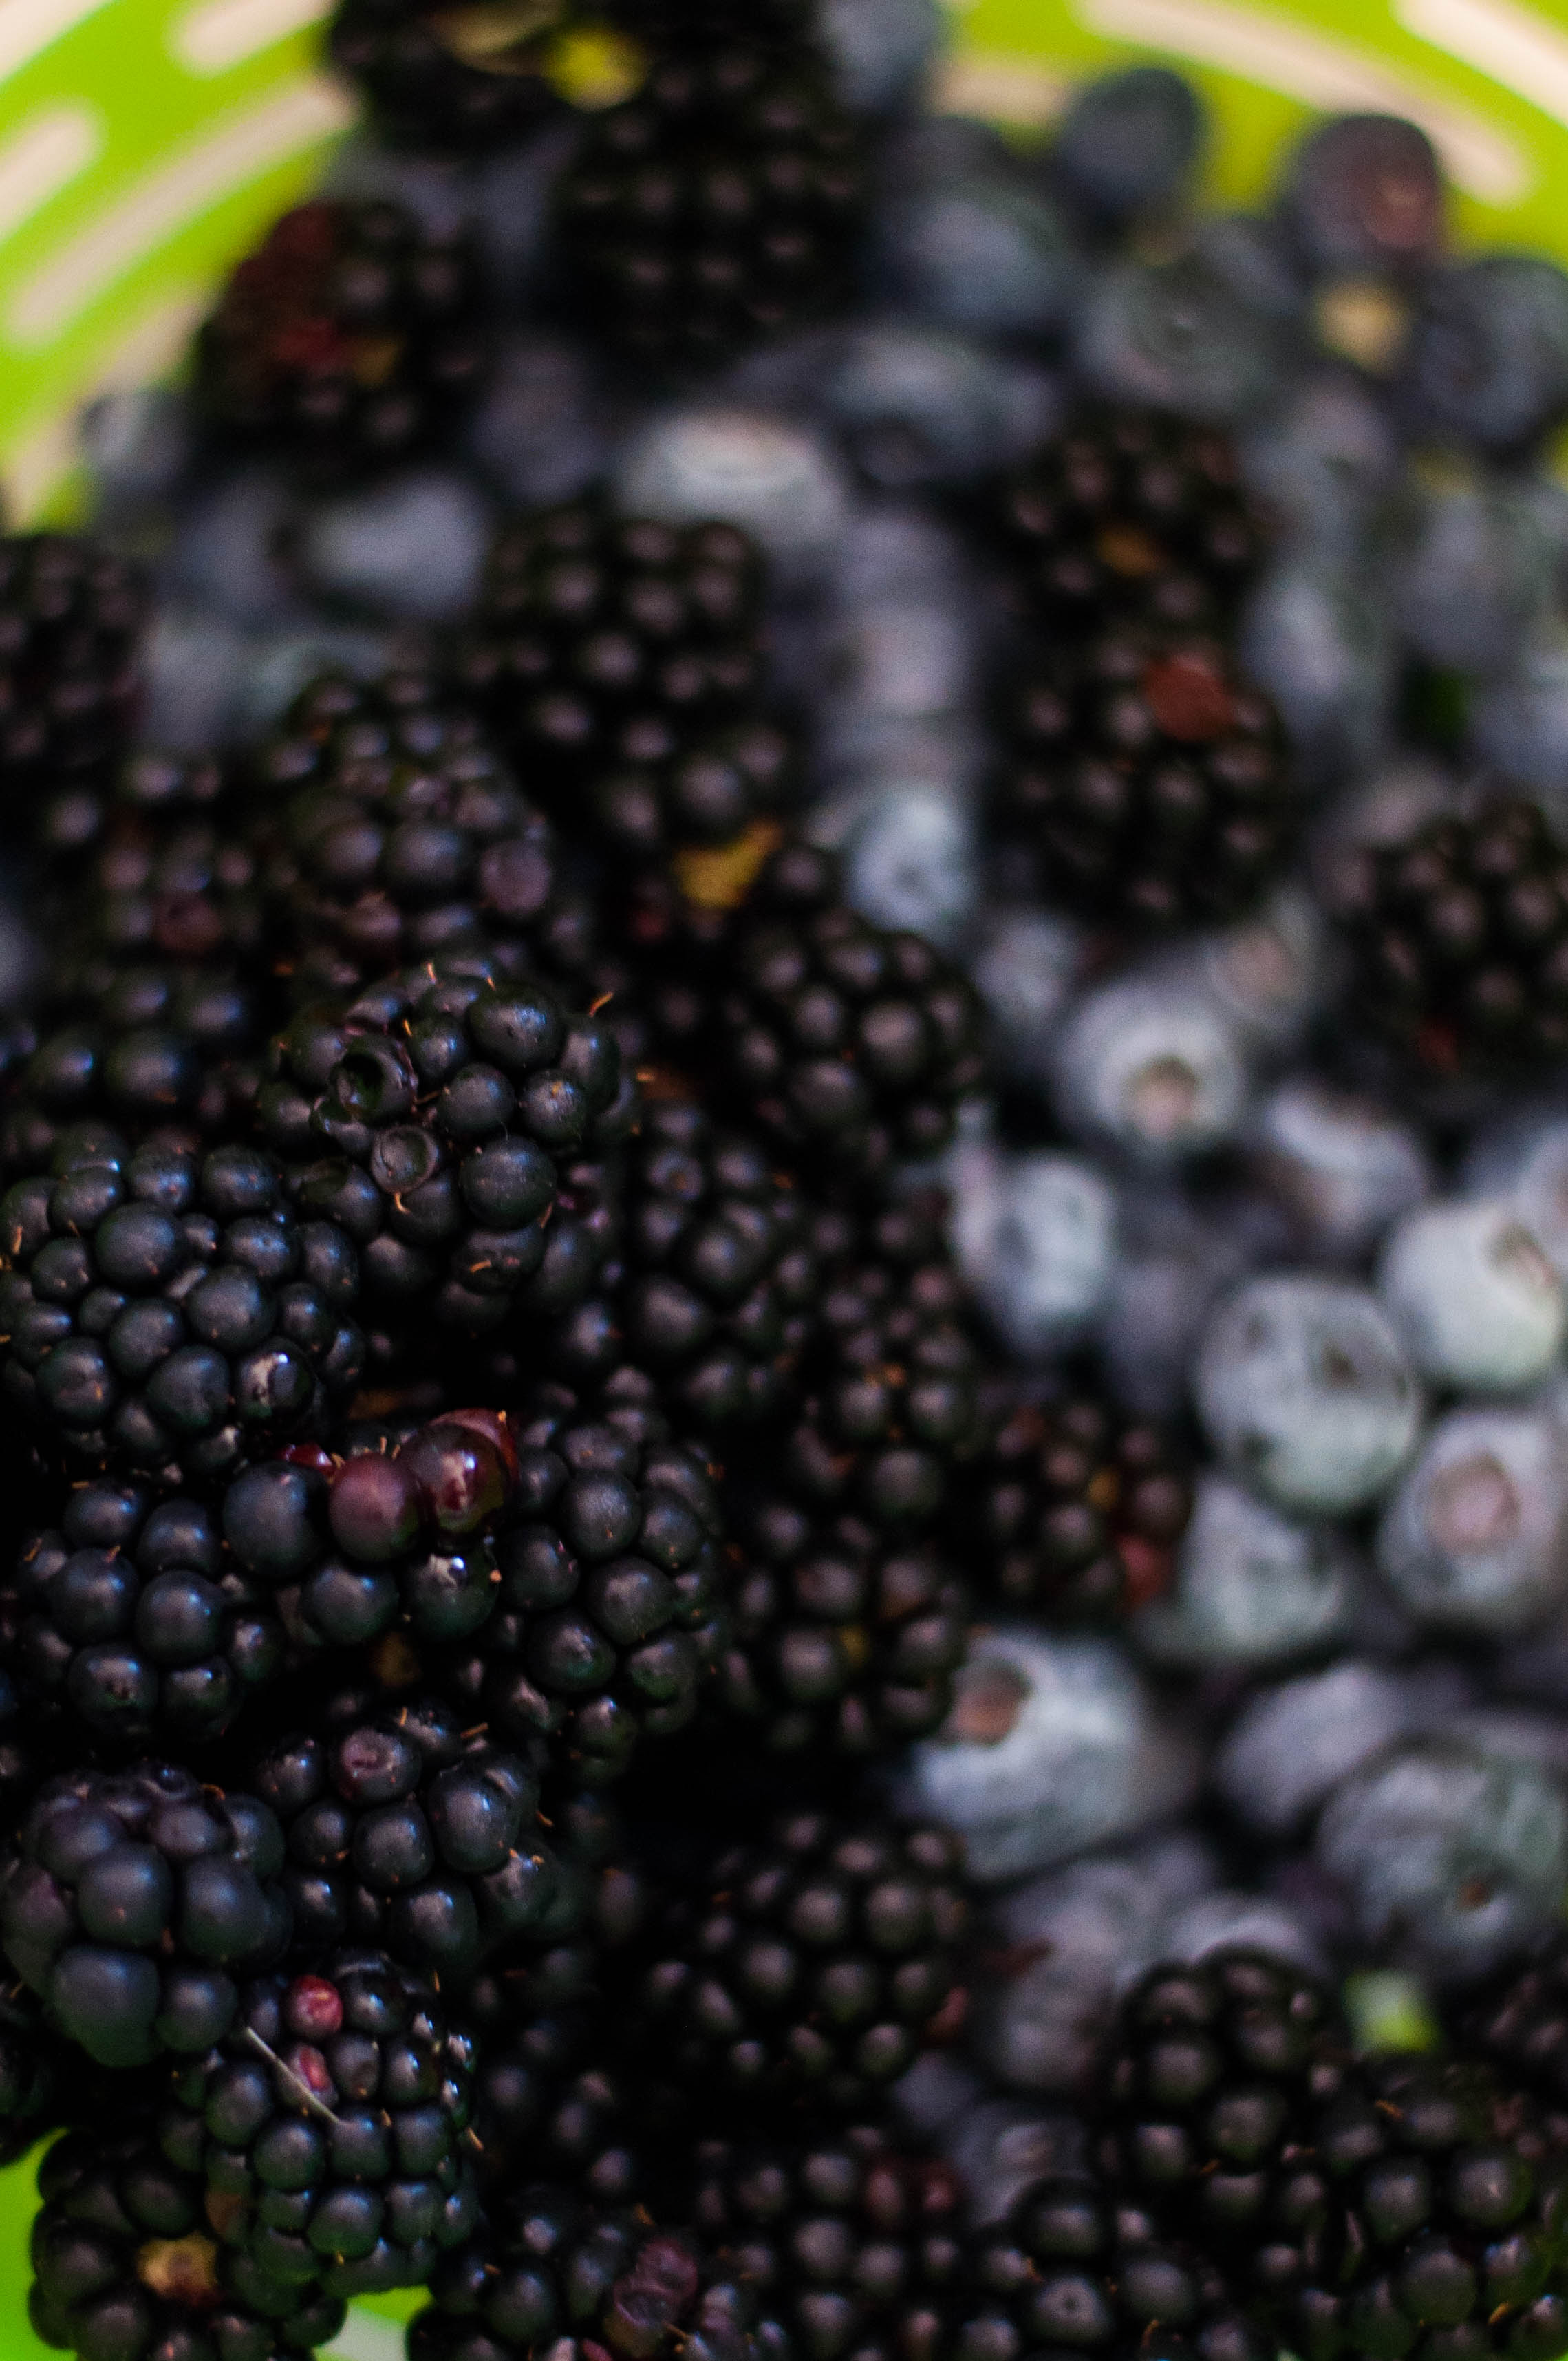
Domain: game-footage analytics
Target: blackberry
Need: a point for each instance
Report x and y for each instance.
(812, 1965)
(895, 1410)
(604, 643)
(1460, 938)
(400, 838)
(173, 881)
(1215, 2080)
(163, 1306)
(841, 1639)
(1150, 781)
(1069, 2272)
(71, 615)
(157, 1051)
(610, 1609)
(850, 1046)
(329, 2127)
(1518, 2023)
(432, 1119)
(148, 795)
(554, 2273)
(130, 1900)
(1077, 1510)
(404, 1834)
(127, 2267)
(720, 1272)
(717, 205)
(434, 82)
(1130, 516)
(37, 2075)
(132, 1617)
(708, 791)
(1445, 2224)
(846, 2245)
(348, 340)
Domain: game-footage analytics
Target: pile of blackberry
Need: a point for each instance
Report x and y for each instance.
(506, 1452)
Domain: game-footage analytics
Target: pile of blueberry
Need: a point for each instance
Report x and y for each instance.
(783, 1241)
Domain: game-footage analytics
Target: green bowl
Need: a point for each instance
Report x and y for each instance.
(144, 142)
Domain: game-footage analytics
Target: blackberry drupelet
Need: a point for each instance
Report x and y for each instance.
(348, 340)
(131, 1618)
(163, 1306)
(721, 1277)
(132, 1899)
(842, 1639)
(717, 205)
(811, 1967)
(71, 614)
(706, 792)
(436, 82)
(329, 2127)
(1077, 1509)
(846, 2245)
(1129, 517)
(401, 837)
(552, 2273)
(604, 640)
(127, 2267)
(1460, 937)
(850, 1047)
(1071, 2273)
(1445, 2223)
(1150, 781)
(406, 1834)
(1216, 2078)
(441, 1120)
(609, 1611)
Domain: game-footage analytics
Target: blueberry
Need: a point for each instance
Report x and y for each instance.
(1065, 1942)
(1157, 1071)
(778, 482)
(1175, 335)
(1291, 1745)
(1450, 1860)
(1363, 194)
(878, 50)
(1252, 1588)
(982, 253)
(410, 548)
(1477, 1537)
(1320, 644)
(1305, 1390)
(910, 863)
(918, 406)
(1477, 1304)
(1129, 142)
(1035, 1237)
(1342, 1167)
(1489, 358)
(1053, 1744)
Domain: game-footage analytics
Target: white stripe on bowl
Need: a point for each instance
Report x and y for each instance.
(995, 82)
(27, 27)
(42, 156)
(217, 34)
(1512, 45)
(1479, 156)
(235, 152)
